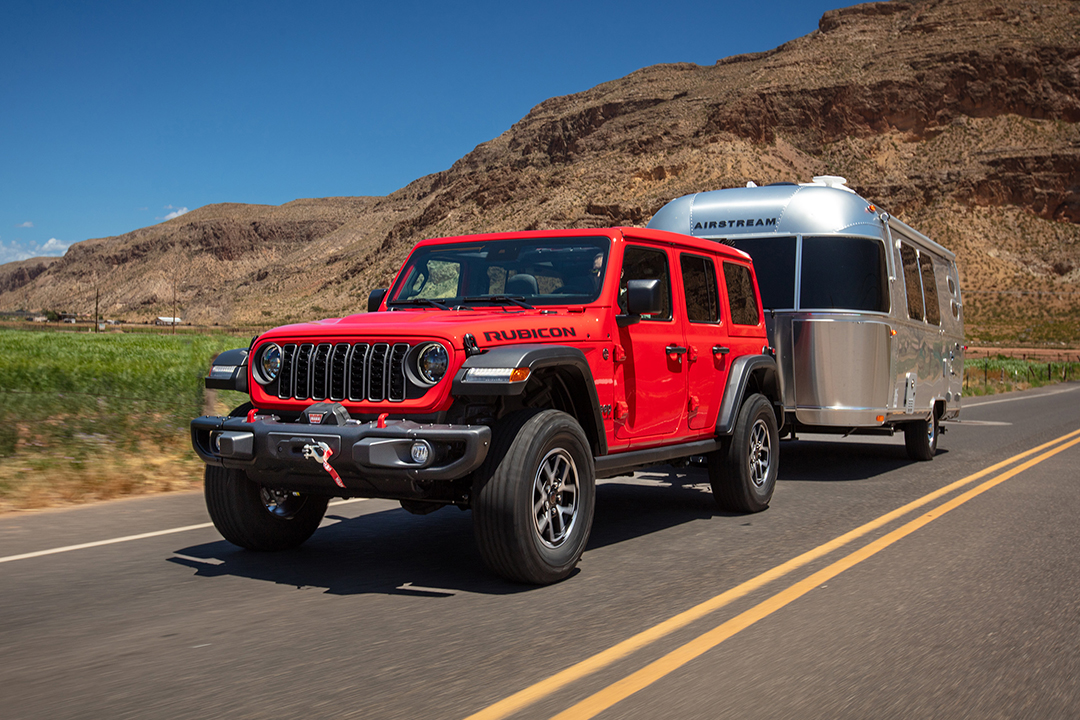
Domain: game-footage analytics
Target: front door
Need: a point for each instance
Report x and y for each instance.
(650, 368)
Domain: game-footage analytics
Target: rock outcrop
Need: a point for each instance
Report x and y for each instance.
(962, 117)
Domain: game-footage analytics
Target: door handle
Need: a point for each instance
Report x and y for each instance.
(675, 350)
(720, 350)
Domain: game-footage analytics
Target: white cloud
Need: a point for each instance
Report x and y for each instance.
(55, 247)
(26, 224)
(20, 250)
(176, 212)
(13, 252)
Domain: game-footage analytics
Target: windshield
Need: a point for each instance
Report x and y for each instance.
(532, 271)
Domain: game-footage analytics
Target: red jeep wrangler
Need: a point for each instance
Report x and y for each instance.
(504, 373)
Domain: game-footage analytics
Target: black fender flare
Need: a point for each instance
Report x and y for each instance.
(536, 357)
(743, 370)
(228, 371)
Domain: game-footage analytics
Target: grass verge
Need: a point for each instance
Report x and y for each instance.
(90, 417)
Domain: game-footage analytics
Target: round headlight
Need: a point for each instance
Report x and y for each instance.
(432, 363)
(269, 364)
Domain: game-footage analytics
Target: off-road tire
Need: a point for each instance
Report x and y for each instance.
(519, 537)
(921, 437)
(242, 512)
(743, 474)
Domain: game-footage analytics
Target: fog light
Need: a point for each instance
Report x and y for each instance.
(215, 441)
(420, 452)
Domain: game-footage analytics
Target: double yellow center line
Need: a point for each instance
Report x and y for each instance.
(609, 696)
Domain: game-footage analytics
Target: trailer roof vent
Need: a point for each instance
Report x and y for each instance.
(833, 181)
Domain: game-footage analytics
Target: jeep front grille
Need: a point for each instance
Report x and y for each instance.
(364, 371)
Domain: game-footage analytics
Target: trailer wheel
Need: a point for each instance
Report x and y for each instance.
(743, 475)
(259, 518)
(533, 497)
(920, 438)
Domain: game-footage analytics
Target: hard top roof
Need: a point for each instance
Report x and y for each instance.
(614, 233)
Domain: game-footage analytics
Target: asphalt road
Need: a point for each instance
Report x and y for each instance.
(873, 587)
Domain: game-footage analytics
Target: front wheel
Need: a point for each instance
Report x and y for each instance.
(920, 438)
(743, 475)
(258, 518)
(534, 496)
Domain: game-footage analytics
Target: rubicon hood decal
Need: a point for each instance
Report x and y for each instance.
(529, 334)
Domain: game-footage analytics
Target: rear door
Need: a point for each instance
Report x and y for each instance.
(708, 349)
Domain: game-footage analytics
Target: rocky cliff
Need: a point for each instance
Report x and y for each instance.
(961, 117)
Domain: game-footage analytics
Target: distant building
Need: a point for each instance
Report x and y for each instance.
(168, 321)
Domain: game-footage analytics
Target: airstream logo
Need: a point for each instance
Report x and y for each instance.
(721, 224)
(528, 334)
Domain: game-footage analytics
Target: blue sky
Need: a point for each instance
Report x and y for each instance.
(119, 115)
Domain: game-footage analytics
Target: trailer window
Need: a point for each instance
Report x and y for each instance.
(912, 285)
(699, 283)
(774, 263)
(929, 283)
(740, 291)
(843, 273)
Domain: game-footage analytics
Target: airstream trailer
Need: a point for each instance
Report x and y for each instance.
(864, 312)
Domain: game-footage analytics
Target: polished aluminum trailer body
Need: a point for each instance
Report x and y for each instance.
(866, 312)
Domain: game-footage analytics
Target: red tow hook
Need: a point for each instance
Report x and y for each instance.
(381, 422)
(251, 415)
(320, 452)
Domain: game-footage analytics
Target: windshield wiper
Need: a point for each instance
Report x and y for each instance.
(518, 300)
(420, 301)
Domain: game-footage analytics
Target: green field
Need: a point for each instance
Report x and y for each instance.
(1000, 373)
(87, 416)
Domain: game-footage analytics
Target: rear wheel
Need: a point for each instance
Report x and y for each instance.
(743, 475)
(259, 518)
(920, 438)
(533, 497)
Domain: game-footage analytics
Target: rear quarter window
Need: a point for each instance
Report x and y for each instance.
(741, 297)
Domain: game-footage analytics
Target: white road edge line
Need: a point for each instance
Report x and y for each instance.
(129, 538)
(99, 543)
(1014, 399)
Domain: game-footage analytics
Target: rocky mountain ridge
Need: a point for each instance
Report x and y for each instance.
(961, 117)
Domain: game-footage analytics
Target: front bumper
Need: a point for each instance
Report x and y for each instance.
(371, 460)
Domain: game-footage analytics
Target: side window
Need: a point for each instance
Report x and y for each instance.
(929, 283)
(740, 291)
(699, 282)
(911, 281)
(641, 263)
(954, 291)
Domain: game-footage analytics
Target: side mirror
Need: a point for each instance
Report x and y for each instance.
(375, 298)
(643, 297)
